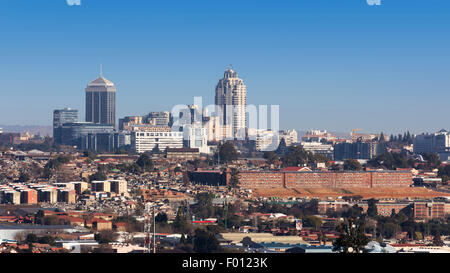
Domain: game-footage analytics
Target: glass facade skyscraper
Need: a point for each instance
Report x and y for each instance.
(101, 102)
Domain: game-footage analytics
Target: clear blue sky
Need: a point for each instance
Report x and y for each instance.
(329, 64)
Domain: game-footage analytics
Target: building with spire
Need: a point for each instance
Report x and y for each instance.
(231, 102)
(101, 101)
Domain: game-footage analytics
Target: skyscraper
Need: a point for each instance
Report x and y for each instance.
(101, 102)
(231, 101)
(61, 117)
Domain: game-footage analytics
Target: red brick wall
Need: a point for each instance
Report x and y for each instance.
(254, 179)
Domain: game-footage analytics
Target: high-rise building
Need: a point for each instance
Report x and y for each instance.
(61, 117)
(433, 143)
(196, 136)
(231, 101)
(101, 102)
(159, 118)
(89, 136)
(357, 150)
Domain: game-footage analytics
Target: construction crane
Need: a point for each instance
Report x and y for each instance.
(354, 135)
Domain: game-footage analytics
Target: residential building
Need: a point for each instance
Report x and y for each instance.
(357, 150)
(119, 187)
(290, 137)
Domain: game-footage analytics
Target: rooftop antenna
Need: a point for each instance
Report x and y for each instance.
(101, 70)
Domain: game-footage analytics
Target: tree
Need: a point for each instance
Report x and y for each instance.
(282, 148)
(314, 221)
(271, 157)
(437, 241)
(98, 176)
(156, 150)
(353, 212)
(90, 154)
(227, 152)
(234, 179)
(296, 156)
(105, 236)
(204, 207)
(31, 238)
(161, 217)
(372, 207)
(352, 239)
(352, 165)
(145, 163)
(205, 242)
(24, 177)
(432, 159)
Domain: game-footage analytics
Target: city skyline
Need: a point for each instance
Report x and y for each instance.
(377, 75)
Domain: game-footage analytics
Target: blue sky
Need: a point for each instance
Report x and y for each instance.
(329, 64)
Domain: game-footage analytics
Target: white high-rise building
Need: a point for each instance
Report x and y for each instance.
(231, 102)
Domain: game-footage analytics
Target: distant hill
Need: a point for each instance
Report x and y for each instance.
(32, 129)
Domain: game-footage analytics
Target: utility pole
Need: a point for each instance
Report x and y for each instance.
(147, 229)
(154, 230)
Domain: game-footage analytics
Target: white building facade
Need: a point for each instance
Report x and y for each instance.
(146, 139)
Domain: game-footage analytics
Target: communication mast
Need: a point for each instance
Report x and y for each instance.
(149, 241)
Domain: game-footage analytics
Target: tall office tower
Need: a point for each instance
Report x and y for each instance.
(61, 117)
(231, 101)
(101, 102)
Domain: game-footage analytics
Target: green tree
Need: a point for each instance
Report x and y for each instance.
(352, 165)
(161, 217)
(98, 176)
(24, 177)
(90, 154)
(437, 241)
(234, 179)
(282, 148)
(181, 223)
(314, 221)
(227, 152)
(145, 163)
(372, 207)
(205, 242)
(352, 239)
(31, 238)
(105, 236)
(296, 156)
(271, 157)
(204, 207)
